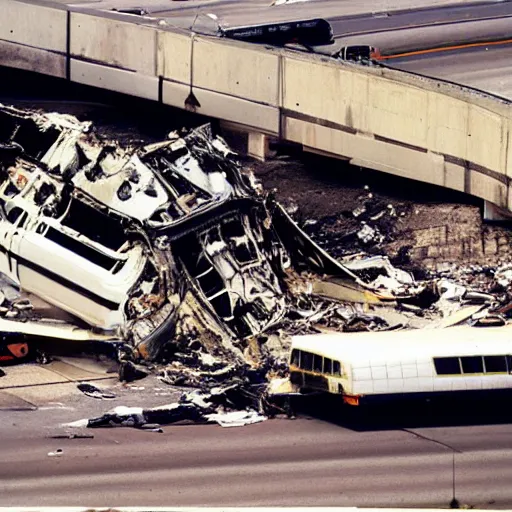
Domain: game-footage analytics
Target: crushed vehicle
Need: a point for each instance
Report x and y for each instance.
(143, 244)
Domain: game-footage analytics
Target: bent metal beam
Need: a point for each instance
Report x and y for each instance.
(403, 124)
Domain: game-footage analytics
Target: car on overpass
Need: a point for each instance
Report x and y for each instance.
(358, 53)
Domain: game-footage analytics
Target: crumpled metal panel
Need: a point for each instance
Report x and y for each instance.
(118, 236)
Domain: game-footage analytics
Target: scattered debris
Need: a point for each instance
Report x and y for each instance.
(489, 320)
(13, 346)
(152, 428)
(450, 291)
(458, 317)
(95, 392)
(367, 235)
(379, 274)
(223, 405)
(134, 11)
(362, 229)
(503, 276)
(129, 371)
(474, 297)
(57, 453)
(72, 436)
(41, 357)
(174, 255)
(236, 418)
(345, 291)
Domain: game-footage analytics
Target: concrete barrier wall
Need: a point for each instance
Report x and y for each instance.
(33, 37)
(484, 139)
(508, 156)
(356, 101)
(114, 79)
(228, 108)
(383, 119)
(15, 55)
(401, 128)
(250, 74)
(174, 56)
(222, 85)
(120, 44)
(33, 25)
(366, 151)
(395, 111)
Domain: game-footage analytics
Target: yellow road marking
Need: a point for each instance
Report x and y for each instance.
(444, 49)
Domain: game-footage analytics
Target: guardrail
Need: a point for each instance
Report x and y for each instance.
(400, 123)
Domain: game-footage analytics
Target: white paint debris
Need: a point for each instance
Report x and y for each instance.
(77, 424)
(285, 2)
(368, 234)
(449, 290)
(503, 276)
(208, 359)
(56, 453)
(123, 410)
(236, 418)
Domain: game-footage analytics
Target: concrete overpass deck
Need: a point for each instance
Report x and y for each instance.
(384, 119)
(393, 26)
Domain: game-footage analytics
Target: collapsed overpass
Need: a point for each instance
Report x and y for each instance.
(403, 124)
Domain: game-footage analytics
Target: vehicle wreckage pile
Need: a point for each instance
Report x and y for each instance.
(174, 254)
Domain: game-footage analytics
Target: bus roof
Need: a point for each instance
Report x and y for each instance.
(412, 344)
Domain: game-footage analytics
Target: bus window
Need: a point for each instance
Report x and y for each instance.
(336, 368)
(327, 365)
(317, 363)
(495, 364)
(295, 357)
(472, 364)
(447, 365)
(306, 361)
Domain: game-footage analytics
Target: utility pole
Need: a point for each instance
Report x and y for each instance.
(455, 502)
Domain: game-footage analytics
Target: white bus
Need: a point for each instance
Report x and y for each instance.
(367, 367)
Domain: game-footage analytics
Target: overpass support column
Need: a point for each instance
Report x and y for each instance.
(495, 213)
(258, 146)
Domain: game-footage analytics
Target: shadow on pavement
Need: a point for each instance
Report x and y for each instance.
(406, 414)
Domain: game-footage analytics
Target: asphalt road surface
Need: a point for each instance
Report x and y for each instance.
(302, 462)
(487, 68)
(343, 24)
(368, 23)
(266, 8)
(347, 17)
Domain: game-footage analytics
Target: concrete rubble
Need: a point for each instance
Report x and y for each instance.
(174, 255)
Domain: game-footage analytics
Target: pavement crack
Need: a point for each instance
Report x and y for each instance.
(426, 438)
